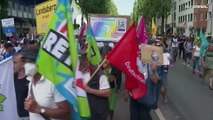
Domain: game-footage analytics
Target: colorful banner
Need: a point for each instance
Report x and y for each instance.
(108, 28)
(44, 12)
(8, 25)
(58, 54)
(8, 105)
(93, 53)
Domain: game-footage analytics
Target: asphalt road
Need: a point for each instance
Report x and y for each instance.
(188, 98)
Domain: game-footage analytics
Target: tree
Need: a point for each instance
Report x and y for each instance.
(98, 7)
(152, 9)
(3, 12)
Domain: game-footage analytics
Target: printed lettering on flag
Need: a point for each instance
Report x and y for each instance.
(58, 54)
(124, 56)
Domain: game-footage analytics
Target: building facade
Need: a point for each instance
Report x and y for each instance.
(210, 18)
(191, 15)
(24, 17)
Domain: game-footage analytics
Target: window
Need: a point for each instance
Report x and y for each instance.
(191, 16)
(174, 16)
(183, 6)
(189, 4)
(188, 17)
(178, 19)
(185, 18)
(174, 6)
(179, 8)
(206, 16)
(210, 15)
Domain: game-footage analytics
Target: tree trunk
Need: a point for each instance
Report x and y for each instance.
(162, 25)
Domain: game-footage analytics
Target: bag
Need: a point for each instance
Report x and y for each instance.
(150, 99)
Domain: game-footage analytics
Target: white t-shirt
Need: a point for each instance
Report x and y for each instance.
(142, 68)
(45, 95)
(103, 81)
(174, 42)
(196, 51)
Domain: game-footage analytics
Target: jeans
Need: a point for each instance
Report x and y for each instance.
(174, 53)
(197, 62)
(138, 111)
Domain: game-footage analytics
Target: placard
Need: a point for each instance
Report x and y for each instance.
(108, 28)
(151, 54)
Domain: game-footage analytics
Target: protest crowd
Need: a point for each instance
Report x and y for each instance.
(65, 76)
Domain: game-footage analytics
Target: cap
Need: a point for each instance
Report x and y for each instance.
(8, 44)
(30, 54)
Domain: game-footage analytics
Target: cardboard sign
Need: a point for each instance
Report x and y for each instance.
(151, 54)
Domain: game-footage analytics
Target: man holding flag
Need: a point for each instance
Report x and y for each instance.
(57, 60)
(44, 102)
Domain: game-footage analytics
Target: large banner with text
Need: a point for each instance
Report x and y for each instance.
(44, 12)
(108, 28)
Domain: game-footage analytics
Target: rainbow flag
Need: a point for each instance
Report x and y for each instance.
(58, 54)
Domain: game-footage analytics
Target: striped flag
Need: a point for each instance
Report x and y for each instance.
(83, 105)
(58, 54)
(93, 53)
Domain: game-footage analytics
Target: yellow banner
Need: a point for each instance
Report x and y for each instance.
(44, 12)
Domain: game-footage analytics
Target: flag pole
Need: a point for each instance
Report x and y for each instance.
(98, 68)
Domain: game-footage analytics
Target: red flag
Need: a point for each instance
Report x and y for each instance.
(80, 37)
(124, 56)
(141, 31)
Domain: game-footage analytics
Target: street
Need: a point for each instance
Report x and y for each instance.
(188, 99)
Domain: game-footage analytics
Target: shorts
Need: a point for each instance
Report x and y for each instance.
(164, 77)
(189, 55)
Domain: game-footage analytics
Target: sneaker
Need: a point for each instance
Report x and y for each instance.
(188, 65)
(165, 100)
(193, 72)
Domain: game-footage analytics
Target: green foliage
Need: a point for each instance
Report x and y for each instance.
(151, 9)
(3, 8)
(3, 12)
(98, 7)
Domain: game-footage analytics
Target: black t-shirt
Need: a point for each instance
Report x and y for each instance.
(21, 89)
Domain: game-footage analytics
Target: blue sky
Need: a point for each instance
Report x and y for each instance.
(124, 7)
